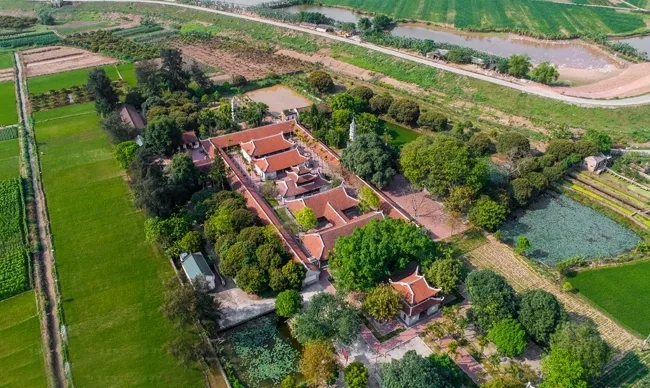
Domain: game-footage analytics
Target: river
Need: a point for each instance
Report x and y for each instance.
(562, 53)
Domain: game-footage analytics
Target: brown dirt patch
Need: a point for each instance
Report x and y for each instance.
(629, 82)
(58, 59)
(240, 59)
(7, 74)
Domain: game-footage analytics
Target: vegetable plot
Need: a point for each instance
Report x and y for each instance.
(13, 263)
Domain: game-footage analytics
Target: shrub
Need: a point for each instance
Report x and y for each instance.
(383, 303)
(433, 120)
(321, 81)
(509, 337)
(487, 214)
(405, 111)
(288, 303)
(355, 375)
(192, 242)
(306, 218)
(380, 104)
(125, 153)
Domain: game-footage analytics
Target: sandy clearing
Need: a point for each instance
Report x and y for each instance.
(632, 81)
(60, 59)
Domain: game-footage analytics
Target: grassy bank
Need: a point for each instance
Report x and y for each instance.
(45, 83)
(110, 278)
(21, 351)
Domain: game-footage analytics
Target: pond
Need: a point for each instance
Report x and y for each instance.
(399, 135)
(571, 54)
(559, 228)
(262, 352)
(279, 98)
(641, 43)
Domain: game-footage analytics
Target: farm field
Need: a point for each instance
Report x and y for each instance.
(110, 278)
(67, 79)
(9, 159)
(559, 228)
(6, 60)
(9, 112)
(14, 277)
(622, 291)
(21, 349)
(533, 17)
(57, 59)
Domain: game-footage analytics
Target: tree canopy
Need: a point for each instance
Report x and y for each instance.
(306, 218)
(99, 86)
(382, 303)
(321, 81)
(378, 249)
(355, 375)
(162, 135)
(493, 299)
(540, 313)
(583, 343)
(318, 363)
(288, 303)
(405, 111)
(513, 145)
(519, 66)
(445, 274)
(560, 369)
(327, 317)
(509, 337)
(412, 371)
(370, 158)
(545, 73)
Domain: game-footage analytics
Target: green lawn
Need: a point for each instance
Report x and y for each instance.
(45, 83)
(533, 17)
(9, 112)
(400, 135)
(21, 353)
(6, 60)
(111, 279)
(9, 159)
(621, 291)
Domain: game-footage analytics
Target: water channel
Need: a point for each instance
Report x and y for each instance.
(562, 53)
(641, 43)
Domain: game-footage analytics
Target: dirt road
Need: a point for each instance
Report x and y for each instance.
(44, 270)
(535, 89)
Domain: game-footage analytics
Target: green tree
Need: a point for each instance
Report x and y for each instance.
(412, 371)
(198, 76)
(46, 18)
(318, 363)
(560, 369)
(185, 176)
(540, 313)
(306, 218)
(252, 279)
(559, 148)
(433, 121)
(487, 214)
(167, 231)
(238, 80)
(382, 23)
(124, 153)
(146, 73)
(583, 343)
(186, 304)
(522, 190)
(370, 158)
(362, 92)
(380, 103)
(405, 111)
(162, 136)
(545, 73)
(513, 145)
(364, 24)
(460, 199)
(218, 174)
(445, 274)
(366, 123)
(356, 375)
(480, 144)
(368, 199)
(601, 139)
(118, 131)
(493, 299)
(192, 242)
(509, 337)
(345, 101)
(294, 275)
(288, 303)
(253, 113)
(327, 317)
(519, 66)
(440, 162)
(383, 303)
(376, 250)
(100, 88)
(523, 245)
(172, 71)
(288, 382)
(321, 81)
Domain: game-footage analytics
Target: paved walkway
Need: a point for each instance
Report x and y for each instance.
(534, 89)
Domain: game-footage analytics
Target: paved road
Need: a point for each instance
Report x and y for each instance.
(535, 90)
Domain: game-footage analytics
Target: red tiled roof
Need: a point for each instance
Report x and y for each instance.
(131, 116)
(300, 170)
(237, 138)
(319, 244)
(282, 161)
(414, 288)
(294, 185)
(266, 145)
(328, 204)
(189, 137)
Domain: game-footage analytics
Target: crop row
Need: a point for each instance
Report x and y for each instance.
(154, 36)
(113, 45)
(29, 40)
(8, 133)
(136, 30)
(11, 222)
(13, 273)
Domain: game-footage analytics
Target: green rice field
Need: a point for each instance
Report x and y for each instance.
(542, 18)
(559, 228)
(45, 83)
(9, 111)
(6, 60)
(110, 278)
(621, 291)
(9, 159)
(21, 352)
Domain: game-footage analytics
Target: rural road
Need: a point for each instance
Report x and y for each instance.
(534, 90)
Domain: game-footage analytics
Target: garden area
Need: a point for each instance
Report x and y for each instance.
(9, 153)
(560, 228)
(21, 349)
(14, 278)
